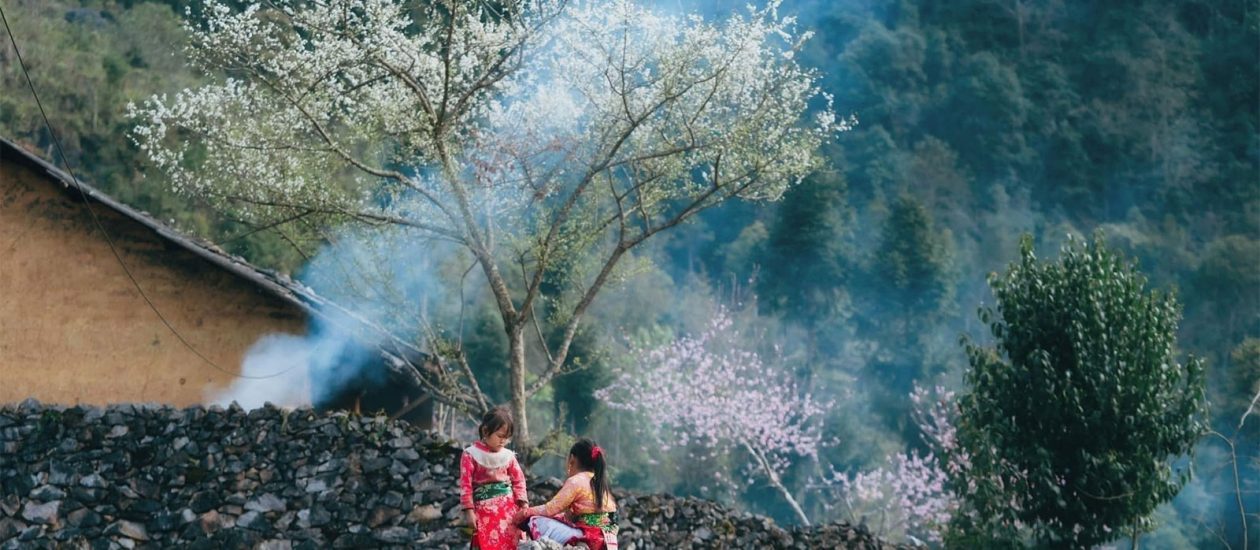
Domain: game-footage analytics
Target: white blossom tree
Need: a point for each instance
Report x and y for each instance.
(709, 389)
(545, 139)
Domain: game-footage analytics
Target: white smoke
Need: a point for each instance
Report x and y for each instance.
(276, 370)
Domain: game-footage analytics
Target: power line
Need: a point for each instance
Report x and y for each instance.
(87, 203)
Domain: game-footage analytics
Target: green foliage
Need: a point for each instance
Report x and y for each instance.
(808, 256)
(487, 352)
(912, 266)
(88, 60)
(1071, 420)
(586, 370)
(1226, 283)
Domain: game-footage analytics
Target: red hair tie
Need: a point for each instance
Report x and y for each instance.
(596, 452)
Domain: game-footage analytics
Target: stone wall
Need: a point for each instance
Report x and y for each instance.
(155, 477)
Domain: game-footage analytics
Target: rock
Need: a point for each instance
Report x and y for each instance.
(93, 481)
(127, 529)
(393, 535)
(10, 528)
(393, 499)
(47, 493)
(382, 514)
(702, 534)
(406, 455)
(31, 533)
(314, 517)
(145, 488)
(425, 514)
(86, 495)
(10, 504)
(353, 540)
(266, 503)
(46, 513)
(203, 501)
(213, 521)
(83, 517)
(375, 464)
(164, 522)
(286, 519)
(254, 521)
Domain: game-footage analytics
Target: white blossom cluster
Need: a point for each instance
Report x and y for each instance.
(456, 115)
(326, 104)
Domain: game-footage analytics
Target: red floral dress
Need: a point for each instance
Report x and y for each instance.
(491, 484)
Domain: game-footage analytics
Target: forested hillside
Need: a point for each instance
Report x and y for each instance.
(979, 121)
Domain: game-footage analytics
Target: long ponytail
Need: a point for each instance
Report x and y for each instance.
(591, 459)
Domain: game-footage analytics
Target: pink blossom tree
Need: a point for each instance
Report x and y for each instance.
(907, 497)
(710, 389)
(910, 495)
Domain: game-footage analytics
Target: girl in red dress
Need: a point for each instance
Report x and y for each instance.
(492, 485)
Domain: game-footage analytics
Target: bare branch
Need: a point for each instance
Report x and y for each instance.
(542, 342)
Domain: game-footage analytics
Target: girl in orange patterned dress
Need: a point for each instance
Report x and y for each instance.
(583, 510)
(492, 485)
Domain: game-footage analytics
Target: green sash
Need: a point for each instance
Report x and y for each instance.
(605, 521)
(491, 490)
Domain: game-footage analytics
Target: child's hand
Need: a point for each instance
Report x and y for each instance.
(470, 519)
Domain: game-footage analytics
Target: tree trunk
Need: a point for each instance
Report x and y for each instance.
(516, 367)
(778, 484)
(787, 495)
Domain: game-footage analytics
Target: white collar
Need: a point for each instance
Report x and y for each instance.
(491, 460)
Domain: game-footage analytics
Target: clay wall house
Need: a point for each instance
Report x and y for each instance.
(74, 329)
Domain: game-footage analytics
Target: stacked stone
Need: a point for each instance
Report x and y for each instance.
(154, 477)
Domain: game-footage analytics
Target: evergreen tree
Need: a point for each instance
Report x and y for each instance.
(911, 268)
(586, 371)
(807, 259)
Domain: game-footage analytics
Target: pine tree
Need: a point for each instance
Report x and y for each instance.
(806, 264)
(911, 267)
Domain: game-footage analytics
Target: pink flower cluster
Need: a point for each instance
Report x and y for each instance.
(908, 497)
(709, 389)
(934, 415)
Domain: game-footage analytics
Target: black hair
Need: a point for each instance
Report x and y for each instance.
(494, 420)
(584, 452)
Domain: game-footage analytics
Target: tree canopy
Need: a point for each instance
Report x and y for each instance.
(529, 134)
(1070, 422)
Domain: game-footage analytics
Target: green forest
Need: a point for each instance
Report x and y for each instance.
(991, 134)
